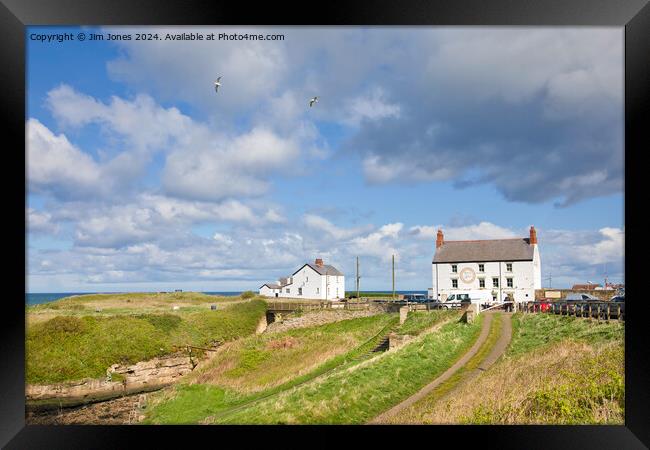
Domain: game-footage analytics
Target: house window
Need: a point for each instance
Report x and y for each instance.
(508, 267)
(454, 283)
(287, 290)
(307, 279)
(481, 267)
(318, 290)
(481, 282)
(299, 291)
(454, 268)
(495, 282)
(509, 282)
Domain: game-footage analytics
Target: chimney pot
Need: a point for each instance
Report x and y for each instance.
(440, 239)
(533, 236)
(319, 262)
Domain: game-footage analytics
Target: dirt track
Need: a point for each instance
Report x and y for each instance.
(498, 349)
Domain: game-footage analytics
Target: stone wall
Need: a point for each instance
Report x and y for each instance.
(549, 293)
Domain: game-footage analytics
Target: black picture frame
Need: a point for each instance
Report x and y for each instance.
(633, 15)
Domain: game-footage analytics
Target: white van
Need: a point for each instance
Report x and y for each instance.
(479, 297)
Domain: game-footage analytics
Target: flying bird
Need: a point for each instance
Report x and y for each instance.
(312, 101)
(217, 84)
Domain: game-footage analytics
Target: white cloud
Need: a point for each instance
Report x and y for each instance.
(372, 106)
(317, 222)
(482, 230)
(40, 222)
(54, 164)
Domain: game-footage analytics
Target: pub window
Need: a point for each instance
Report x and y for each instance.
(454, 268)
(495, 282)
(509, 281)
(299, 291)
(481, 282)
(288, 291)
(481, 267)
(454, 283)
(508, 267)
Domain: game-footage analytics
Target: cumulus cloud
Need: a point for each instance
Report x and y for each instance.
(55, 165)
(317, 222)
(40, 222)
(482, 230)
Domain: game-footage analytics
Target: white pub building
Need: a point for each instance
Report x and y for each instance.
(316, 281)
(499, 267)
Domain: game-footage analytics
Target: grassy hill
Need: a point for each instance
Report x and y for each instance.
(557, 370)
(80, 337)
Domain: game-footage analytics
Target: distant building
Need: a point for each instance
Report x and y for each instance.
(315, 281)
(499, 266)
(586, 287)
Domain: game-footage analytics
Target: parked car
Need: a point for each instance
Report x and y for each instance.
(415, 298)
(619, 300)
(581, 298)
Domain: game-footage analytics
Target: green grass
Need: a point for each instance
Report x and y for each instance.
(414, 413)
(418, 321)
(590, 391)
(530, 331)
(67, 348)
(362, 392)
(256, 366)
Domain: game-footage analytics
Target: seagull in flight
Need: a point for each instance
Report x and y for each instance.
(217, 84)
(312, 101)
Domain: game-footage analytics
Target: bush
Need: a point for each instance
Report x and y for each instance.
(63, 324)
(248, 294)
(162, 322)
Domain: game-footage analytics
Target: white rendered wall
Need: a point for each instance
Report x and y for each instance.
(523, 276)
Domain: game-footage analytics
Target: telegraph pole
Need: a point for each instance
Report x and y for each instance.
(358, 278)
(393, 277)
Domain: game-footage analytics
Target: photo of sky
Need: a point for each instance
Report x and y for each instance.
(141, 177)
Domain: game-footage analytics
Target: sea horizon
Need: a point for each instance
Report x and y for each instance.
(36, 298)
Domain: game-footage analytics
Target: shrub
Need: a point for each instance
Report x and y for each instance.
(63, 324)
(248, 294)
(163, 322)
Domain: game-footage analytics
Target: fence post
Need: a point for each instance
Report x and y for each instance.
(618, 308)
(608, 312)
(590, 318)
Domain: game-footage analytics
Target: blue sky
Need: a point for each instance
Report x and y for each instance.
(141, 177)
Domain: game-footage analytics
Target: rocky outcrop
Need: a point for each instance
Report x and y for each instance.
(120, 380)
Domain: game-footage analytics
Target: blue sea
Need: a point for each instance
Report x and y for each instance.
(37, 298)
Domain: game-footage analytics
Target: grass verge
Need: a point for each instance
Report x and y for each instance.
(558, 370)
(362, 391)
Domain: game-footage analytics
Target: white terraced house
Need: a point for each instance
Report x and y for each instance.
(496, 267)
(316, 281)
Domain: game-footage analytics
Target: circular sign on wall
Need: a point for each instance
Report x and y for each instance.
(467, 275)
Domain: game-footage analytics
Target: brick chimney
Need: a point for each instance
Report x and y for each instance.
(319, 262)
(440, 239)
(533, 236)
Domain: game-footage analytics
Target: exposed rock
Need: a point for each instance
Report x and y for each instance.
(143, 376)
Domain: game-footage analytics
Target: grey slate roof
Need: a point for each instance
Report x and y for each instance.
(325, 269)
(271, 285)
(517, 249)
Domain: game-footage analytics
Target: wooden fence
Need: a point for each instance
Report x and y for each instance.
(591, 310)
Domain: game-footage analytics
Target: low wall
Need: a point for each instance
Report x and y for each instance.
(561, 294)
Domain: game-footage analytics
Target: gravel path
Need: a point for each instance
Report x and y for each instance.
(498, 349)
